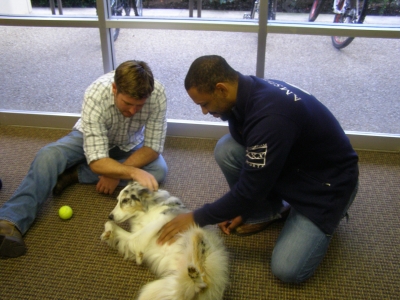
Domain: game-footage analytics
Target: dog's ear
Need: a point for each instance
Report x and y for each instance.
(141, 190)
(144, 191)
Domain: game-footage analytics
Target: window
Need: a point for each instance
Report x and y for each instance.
(49, 60)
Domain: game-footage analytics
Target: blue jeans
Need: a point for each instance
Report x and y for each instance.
(52, 160)
(301, 245)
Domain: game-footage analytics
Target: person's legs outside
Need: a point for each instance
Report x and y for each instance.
(301, 246)
(230, 157)
(50, 161)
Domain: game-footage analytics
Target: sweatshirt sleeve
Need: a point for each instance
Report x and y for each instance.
(266, 154)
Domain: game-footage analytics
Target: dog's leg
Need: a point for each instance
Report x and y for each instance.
(196, 266)
(117, 238)
(108, 236)
(207, 263)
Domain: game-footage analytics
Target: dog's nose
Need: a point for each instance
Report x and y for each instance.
(111, 216)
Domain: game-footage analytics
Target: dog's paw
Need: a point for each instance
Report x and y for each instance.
(139, 258)
(106, 235)
(193, 272)
(109, 226)
(197, 278)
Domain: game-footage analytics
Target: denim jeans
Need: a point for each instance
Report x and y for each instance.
(230, 157)
(301, 245)
(52, 160)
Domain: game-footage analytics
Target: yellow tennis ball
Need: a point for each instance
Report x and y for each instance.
(65, 212)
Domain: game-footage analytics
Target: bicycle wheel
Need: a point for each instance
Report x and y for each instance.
(315, 10)
(353, 13)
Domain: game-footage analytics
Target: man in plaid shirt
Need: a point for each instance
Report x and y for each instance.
(119, 137)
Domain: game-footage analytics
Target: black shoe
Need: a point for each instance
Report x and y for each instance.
(70, 176)
(11, 242)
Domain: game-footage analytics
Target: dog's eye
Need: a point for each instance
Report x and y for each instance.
(125, 201)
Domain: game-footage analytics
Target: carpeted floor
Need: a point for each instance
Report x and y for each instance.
(66, 259)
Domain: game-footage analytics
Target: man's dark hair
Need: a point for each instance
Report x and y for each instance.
(206, 71)
(135, 79)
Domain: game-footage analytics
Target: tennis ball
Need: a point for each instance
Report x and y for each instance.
(65, 212)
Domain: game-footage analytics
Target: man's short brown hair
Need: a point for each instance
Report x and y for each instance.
(134, 78)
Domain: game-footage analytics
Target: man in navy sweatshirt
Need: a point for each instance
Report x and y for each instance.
(285, 150)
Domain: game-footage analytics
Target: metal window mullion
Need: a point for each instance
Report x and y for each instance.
(106, 40)
(183, 24)
(261, 38)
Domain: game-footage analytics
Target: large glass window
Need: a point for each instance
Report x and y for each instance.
(49, 56)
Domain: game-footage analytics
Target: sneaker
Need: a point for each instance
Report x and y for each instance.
(250, 229)
(70, 176)
(11, 242)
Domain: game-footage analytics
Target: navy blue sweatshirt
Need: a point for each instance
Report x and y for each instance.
(296, 151)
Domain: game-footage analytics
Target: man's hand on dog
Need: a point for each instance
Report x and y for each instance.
(179, 224)
(145, 179)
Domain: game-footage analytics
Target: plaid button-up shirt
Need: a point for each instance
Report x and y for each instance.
(104, 127)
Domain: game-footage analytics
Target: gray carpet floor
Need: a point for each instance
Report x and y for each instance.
(67, 260)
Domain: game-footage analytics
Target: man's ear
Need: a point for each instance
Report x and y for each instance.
(222, 88)
(114, 88)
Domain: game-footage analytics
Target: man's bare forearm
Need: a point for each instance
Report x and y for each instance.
(141, 157)
(112, 168)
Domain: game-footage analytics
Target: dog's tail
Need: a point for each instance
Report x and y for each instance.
(173, 287)
(161, 289)
(168, 288)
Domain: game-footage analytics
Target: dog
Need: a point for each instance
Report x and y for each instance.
(194, 267)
